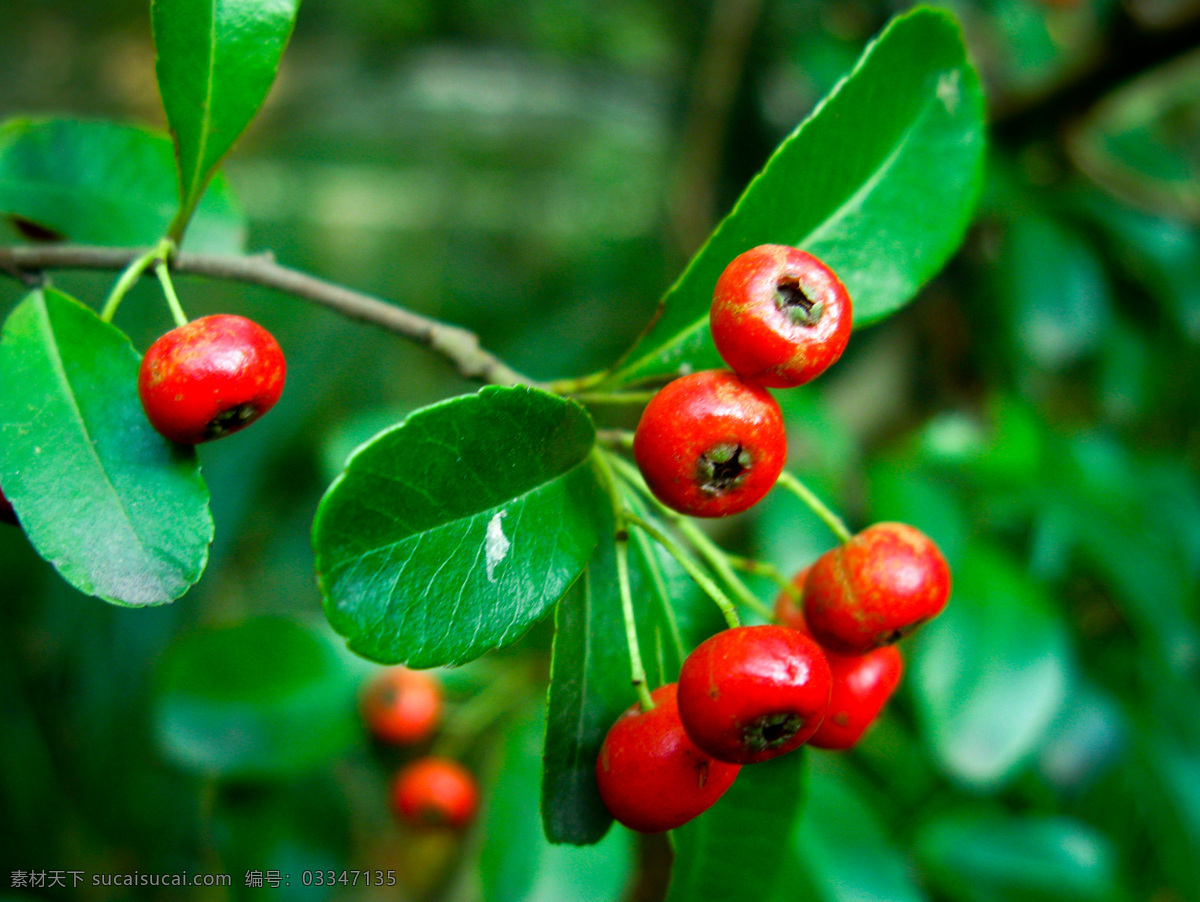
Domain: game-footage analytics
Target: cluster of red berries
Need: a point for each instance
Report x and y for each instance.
(403, 707)
(210, 377)
(712, 443)
(753, 693)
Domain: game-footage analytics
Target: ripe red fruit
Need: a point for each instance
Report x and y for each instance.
(710, 444)
(754, 692)
(861, 684)
(651, 776)
(435, 792)
(779, 316)
(868, 592)
(210, 377)
(402, 706)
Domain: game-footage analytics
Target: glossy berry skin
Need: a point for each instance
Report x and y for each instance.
(779, 316)
(435, 792)
(710, 444)
(861, 684)
(879, 586)
(402, 706)
(210, 377)
(651, 776)
(753, 693)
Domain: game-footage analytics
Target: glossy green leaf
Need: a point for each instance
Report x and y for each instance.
(517, 864)
(120, 512)
(736, 849)
(449, 534)
(215, 63)
(991, 672)
(264, 697)
(590, 681)
(880, 183)
(837, 832)
(977, 857)
(104, 183)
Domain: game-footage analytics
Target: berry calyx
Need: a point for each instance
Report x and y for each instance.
(651, 775)
(402, 706)
(861, 684)
(779, 316)
(435, 792)
(710, 444)
(872, 590)
(209, 378)
(753, 693)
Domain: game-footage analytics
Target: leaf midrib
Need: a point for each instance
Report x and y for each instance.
(55, 358)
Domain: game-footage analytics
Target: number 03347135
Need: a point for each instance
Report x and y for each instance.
(348, 878)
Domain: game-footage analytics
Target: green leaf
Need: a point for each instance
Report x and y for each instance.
(104, 183)
(978, 857)
(265, 697)
(590, 681)
(837, 832)
(991, 672)
(120, 512)
(1055, 290)
(880, 183)
(735, 850)
(451, 533)
(516, 863)
(1140, 142)
(215, 64)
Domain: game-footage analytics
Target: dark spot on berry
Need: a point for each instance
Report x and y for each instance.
(230, 420)
(722, 468)
(770, 731)
(796, 304)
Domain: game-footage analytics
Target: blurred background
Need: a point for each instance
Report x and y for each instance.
(539, 171)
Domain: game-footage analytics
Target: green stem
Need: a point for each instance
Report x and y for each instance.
(719, 561)
(818, 507)
(128, 278)
(168, 287)
(629, 397)
(637, 669)
(716, 557)
(702, 579)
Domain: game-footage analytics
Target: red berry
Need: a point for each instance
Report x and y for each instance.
(651, 776)
(402, 706)
(435, 792)
(753, 693)
(868, 592)
(710, 444)
(210, 377)
(779, 316)
(862, 684)
(788, 610)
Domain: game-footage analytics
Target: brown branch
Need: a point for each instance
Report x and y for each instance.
(460, 346)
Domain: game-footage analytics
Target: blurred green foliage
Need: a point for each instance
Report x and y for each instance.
(539, 172)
